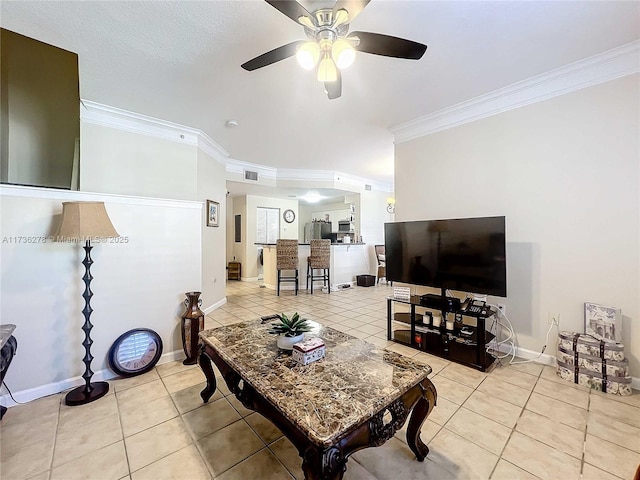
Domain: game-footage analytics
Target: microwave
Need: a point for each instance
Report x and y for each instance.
(345, 226)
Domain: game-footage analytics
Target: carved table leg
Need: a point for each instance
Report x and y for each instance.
(419, 414)
(205, 364)
(327, 464)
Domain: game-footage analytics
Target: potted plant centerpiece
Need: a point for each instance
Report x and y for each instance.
(290, 330)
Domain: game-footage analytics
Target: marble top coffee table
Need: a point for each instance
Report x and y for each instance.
(331, 408)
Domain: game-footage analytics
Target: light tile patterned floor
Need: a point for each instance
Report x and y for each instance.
(518, 421)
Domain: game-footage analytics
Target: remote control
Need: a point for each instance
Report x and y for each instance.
(266, 318)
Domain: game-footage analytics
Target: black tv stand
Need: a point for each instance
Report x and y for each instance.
(466, 349)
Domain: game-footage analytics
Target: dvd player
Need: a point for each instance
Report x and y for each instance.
(449, 304)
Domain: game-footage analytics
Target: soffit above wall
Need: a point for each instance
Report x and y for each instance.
(612, 64)
(112, 117)
(181, 61)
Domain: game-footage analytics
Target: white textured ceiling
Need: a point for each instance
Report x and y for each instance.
(180, 61)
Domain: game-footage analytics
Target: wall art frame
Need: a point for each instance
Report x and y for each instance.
(213, 214)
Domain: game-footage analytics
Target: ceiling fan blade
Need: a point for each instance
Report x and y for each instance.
(275, 55)
(291, 9)
(334, 89)
(354, 7)
(379, 44)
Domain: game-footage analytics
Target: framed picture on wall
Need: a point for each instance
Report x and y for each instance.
(213, 213)
(238, 228)
(604, 323)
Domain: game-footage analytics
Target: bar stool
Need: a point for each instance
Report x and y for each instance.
(287, 259)
(320, 259)
(382, 263)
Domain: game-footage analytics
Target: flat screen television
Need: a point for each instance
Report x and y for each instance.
(464, 254)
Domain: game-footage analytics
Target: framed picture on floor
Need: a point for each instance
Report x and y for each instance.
(604, 323)
(213, 213)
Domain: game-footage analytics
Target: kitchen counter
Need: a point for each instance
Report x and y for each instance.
(347, 261)
(307, 244)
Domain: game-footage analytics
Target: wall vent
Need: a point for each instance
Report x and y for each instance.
(249, 175)
(367, 188)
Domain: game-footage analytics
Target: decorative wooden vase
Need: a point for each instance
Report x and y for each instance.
(192, 324)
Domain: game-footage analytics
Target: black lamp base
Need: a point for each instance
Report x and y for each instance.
(78, 396)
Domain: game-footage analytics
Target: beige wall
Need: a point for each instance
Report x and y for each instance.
(138, 282)
(40, 112)
(127, 163)
(565, 172)
(239, 249)
(373, 215)
(246, 252)
(212, 186)
(230, 233)
(287, 230)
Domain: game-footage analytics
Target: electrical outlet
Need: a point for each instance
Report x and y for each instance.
(503, 308)
(554, 319)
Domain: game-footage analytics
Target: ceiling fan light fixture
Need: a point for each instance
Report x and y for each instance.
(308, 55)
(343, 53)
(341, 17)
(305, 21)
(327, 71)
(312, 197)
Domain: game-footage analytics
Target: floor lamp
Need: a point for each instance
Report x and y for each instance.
(84, 221)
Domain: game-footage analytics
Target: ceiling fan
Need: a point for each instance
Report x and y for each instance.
(329, 45)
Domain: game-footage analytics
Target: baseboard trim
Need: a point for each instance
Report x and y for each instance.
(336, 287)
(550, 360)
(215, 306)
(525, 354)
(30, 394)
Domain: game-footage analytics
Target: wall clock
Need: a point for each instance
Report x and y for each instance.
(135, 352)
(289, 216)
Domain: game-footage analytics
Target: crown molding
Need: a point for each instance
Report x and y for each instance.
(331, 176)
(238, 166)
(211, 148)
(361, 182)
(306, 175)
(113, 117)
(615, 63)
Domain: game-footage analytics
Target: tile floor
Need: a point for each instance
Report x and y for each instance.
(517, 422)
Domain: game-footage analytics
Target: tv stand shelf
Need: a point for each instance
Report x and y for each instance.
(469, 350)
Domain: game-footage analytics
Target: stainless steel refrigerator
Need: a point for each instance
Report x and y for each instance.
(317, 230)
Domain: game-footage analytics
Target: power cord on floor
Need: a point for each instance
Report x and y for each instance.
(497, 342)
(11, 395)
(511, 339)
(546, 342)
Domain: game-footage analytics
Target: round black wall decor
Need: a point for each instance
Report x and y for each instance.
(135, 352)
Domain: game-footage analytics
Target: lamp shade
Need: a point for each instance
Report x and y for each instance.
(85, 220)
(327, 70)
(343, 53)
(308, 55)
